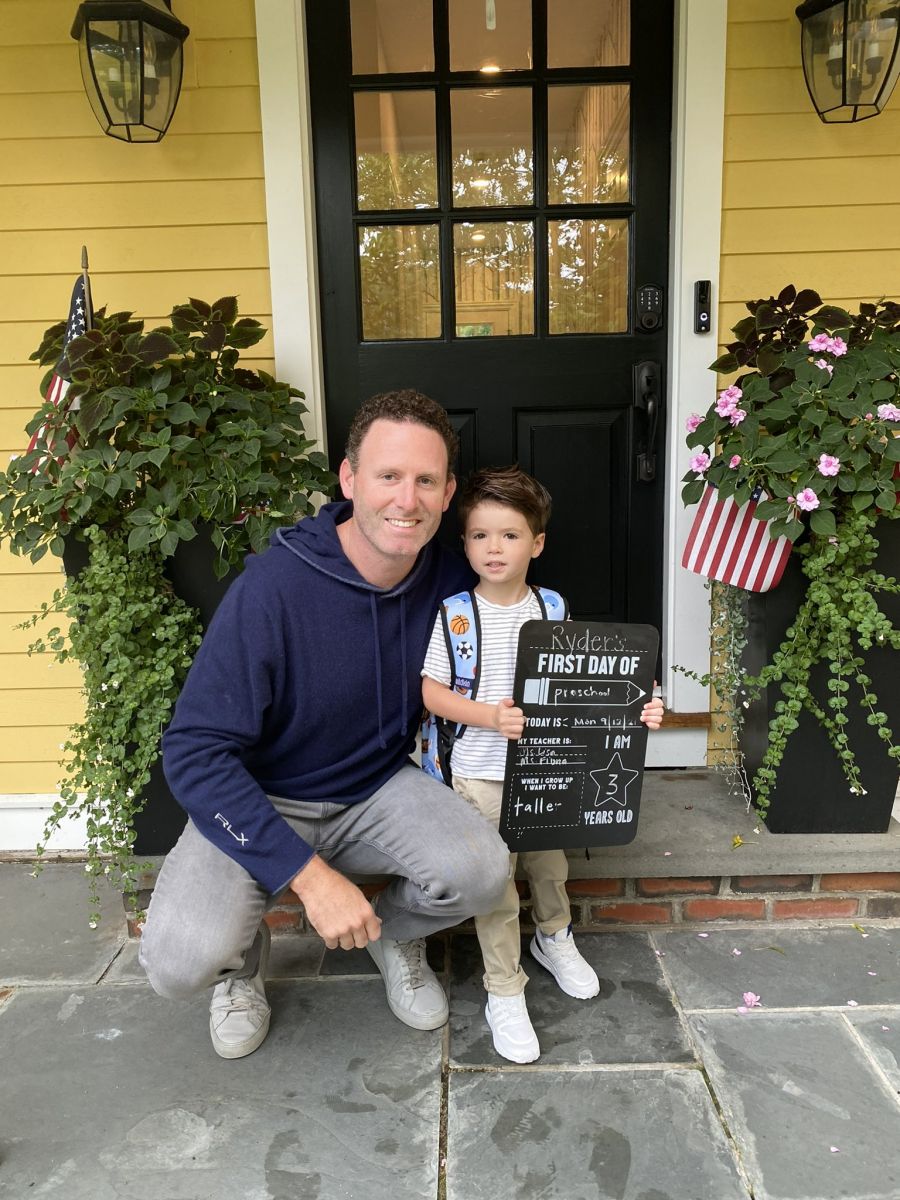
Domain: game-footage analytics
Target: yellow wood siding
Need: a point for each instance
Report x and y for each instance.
(803, 202)
(161, 223)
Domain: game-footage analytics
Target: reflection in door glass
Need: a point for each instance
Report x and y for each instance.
(494, 271)
(492, 155)
(583, 33)
(587, 138)
(399, 274)
(396, 159)
(490, 35)
(588, 276)
(391, 35)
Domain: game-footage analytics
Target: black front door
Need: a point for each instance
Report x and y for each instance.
(492, 182)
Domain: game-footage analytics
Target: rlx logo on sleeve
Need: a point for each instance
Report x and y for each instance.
(238, 837)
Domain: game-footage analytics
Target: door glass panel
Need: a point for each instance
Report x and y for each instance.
(490, 35)
(399, 274)
(494, 270)
(492, 146)
(391, 35)
(588, 276)
(587, 138)
(396, 157)
(583, 33)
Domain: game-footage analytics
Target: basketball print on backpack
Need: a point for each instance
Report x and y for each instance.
(459, 624)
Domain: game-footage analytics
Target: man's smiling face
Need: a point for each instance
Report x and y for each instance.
(400, 489)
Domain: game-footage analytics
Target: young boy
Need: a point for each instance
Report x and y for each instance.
(504, 514)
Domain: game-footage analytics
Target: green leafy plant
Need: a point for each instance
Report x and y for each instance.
(812, 420)
(135, 640)
(161, 433)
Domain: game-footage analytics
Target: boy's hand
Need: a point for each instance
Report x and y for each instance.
(509, 720)
(652, 712)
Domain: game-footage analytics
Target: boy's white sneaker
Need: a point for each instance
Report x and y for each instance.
(414, 995)
(562, 958)
(511, 1028)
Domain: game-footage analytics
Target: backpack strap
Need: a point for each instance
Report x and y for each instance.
(462, 630)
(554, 607)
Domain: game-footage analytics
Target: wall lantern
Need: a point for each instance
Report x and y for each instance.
(851, 55)
(131, 64)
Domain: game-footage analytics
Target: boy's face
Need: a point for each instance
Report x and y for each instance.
(499, 543)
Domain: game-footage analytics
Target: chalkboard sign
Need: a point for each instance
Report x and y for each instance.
(574, 777)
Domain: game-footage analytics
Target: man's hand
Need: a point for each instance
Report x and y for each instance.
(335, 907)
(509, 720)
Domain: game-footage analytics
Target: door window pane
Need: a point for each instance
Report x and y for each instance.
(492, 146)
(494, 271)
(583, 33)
(587, 138)
(588, 276)
(399, 274)
(396, 159)
(490, 35)
(391, 35)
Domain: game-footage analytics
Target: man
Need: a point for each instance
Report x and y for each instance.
(290, 743)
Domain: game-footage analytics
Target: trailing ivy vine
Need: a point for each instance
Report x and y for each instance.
(134, 640)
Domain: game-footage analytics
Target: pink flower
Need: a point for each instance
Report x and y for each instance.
(838, 347)
(752, 1000)
(792, 499)
(807, 500)
(693, 422)
(735, 461)
(820, 342)
(700, 462)
(828, 464)
(728, 401)
(737, 415)
(868, 416)
(889, 412)
(825, 366)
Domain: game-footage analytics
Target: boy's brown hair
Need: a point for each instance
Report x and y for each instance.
(510, 486)
(404, 405)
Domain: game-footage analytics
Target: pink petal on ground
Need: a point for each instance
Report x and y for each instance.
(743, 1010)
(853, 1003)
(752, 1000)
(737, 952)
(871, 972)
(834, 1149)
(702, 935)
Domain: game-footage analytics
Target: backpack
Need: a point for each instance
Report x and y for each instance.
(462, 628)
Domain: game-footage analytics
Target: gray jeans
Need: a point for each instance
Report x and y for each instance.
(447, 861)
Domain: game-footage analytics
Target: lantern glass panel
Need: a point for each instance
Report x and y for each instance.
(850, 58)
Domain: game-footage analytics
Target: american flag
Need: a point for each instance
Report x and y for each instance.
(80, 320)
(729, 543)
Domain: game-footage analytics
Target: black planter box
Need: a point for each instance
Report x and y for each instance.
(160, 822)
(811, 793)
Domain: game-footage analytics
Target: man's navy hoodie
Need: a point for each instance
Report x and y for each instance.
(306, 687)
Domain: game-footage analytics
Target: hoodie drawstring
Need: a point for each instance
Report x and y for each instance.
(374, 607)
(404, 693)
(404, 681)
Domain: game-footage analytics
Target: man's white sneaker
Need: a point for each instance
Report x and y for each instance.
(559, 954)
(414, 995)
(511, 1028)
(239, 1012)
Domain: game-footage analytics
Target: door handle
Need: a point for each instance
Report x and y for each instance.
(646, 401)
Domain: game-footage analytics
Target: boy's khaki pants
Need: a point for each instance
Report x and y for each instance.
(498, 931)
